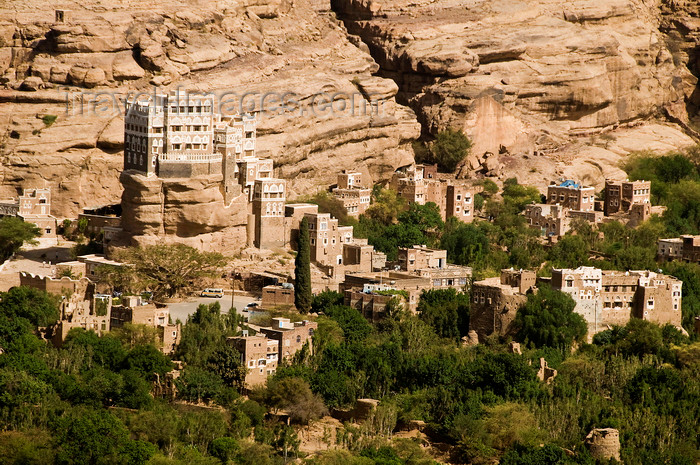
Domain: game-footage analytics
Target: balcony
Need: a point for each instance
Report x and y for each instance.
(190, 157)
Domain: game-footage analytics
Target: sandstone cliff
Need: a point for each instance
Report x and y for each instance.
(254, 46)
(530, 77)
(546, 88)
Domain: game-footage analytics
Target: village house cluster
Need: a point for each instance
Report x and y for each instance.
(179, 136)
(353, 191)
(603, 298)
(625, 201)
(420, 184)
(82, 306)
(417, 269)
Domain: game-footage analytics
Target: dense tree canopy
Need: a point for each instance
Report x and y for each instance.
(548, 320)
(446, 311)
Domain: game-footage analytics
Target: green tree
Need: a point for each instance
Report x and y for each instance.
(148, 361)
(206, 332)
(326, 299)
(466, 244)
(86, 436)
(385, 208)
(569, 252)
(226, 363)
(22, 310)
(197, 385)
(355, 327)
(446, 311)
(170, 269)
(548, 319)
(224, 449)
(449, 148)
(302, 270)
(294, 395)
(517, 196)
(13, 233)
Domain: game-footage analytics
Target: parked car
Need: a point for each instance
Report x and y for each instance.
(252, 305)
(210, 292)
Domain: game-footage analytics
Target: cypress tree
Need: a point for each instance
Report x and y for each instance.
(302, 270)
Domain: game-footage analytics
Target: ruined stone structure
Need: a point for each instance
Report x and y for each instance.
(686, 248)
(604, 443)
(495, 302)
(691, 248)
(133, 310)
(545, 373)
(370, 304)
(554, 220)
(605, 298)
(80, 306)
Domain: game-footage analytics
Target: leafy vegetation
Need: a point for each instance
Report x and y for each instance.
(302, 270)
(48, 120)
(548, 320)
(165, 270)
(14, 232)
(449, 148)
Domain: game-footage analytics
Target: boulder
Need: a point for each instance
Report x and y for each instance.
(376, 88)
(94, 77)
(60, 73)
(124, 67)
(32, 83)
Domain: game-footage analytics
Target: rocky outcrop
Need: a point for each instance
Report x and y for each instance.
(531, 77)
(254, 46)
(189, 211)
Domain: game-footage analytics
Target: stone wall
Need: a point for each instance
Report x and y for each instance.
(184, 169)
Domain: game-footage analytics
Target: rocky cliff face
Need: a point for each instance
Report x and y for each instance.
(525, 77)
(191, 210)
(545, 88)
(255, 46)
